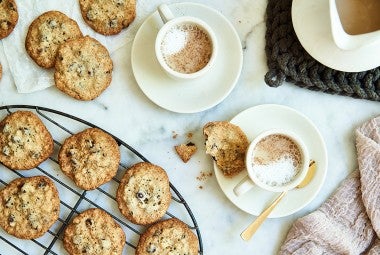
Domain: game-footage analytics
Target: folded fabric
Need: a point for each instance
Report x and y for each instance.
(349, 221)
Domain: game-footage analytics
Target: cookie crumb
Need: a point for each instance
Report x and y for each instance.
(189, 135)
(200, 187)
(186, 151)
(174, 135)
(203, 176)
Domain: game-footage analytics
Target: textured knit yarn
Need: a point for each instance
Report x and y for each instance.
(288, 61)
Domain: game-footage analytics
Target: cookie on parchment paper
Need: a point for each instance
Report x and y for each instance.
(108, 17)
(144, 194)
(46, 33)
(83, 69)
(227, 144)
(93, 232)
(29, 207)
(25, 142)
(90, 158)
(168, 237)
(8, 17)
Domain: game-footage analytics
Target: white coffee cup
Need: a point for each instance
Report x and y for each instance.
(251, 179)
(171, 22)
(344, 40)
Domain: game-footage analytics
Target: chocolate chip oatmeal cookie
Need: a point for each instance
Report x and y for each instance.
(168, 237)
(227, 144)
(46, 33)
(108, 17)
(25, 142)
(83, 69)
(90, 158)
(94, 232)
(8, 17)
(144, 194)
(29, 207)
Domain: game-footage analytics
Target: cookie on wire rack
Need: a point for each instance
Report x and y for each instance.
(29, 207)
(46, 33)
(90, 158)
(108, 17)
(93, 232)
(144, 194)
(83, 69)
(25, 142)
(9, 17)
(168, 237)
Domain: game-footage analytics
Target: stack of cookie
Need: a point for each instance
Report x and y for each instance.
(89, 158)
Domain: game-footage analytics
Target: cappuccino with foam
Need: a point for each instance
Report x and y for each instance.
(186, 48)
(277, 160)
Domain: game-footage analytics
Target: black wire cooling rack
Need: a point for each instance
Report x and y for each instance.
(74, 200)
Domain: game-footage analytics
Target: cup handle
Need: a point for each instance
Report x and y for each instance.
(243, 186)
(165, 13)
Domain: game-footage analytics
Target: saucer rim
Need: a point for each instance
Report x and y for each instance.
(321, 166)
(191, 108)
(331, 58)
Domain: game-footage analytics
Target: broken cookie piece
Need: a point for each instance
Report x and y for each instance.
(227, 144)
(186, 151)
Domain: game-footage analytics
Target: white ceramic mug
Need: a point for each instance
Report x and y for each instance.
(169, 22)
(346, 41)
(251, 179)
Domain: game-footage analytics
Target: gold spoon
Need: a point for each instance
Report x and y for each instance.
(252, 228)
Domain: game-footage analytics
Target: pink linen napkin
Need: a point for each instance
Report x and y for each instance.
(349, 221)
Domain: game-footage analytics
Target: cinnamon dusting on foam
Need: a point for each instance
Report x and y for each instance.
(276, 160)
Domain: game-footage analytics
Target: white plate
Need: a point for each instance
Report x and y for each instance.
(311, 21)
(256, 120)
(202, 93)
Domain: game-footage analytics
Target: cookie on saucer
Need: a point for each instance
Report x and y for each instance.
(108, 17)
(168, 237)
(25, 142)
(90, 158)
(46, 33)
(83, 69)
(144, 194)
(227, 144)
(29, 207)
(9, 17)
(93, 232)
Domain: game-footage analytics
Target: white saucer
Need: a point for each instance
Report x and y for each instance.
(311, 21)
(202, 93)
(256, 120)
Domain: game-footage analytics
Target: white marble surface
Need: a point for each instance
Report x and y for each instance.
(127, 113)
